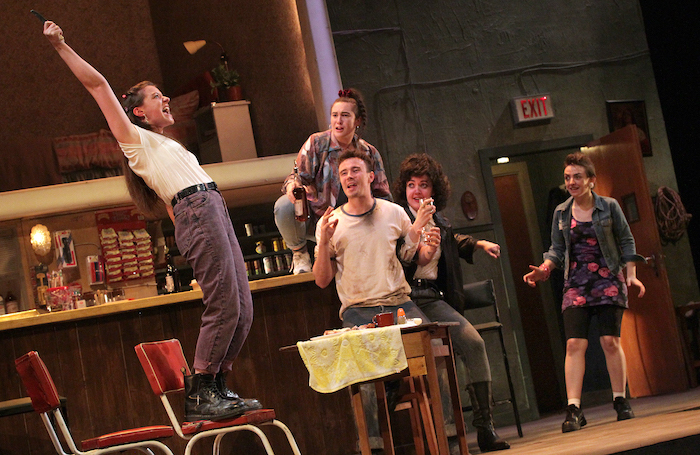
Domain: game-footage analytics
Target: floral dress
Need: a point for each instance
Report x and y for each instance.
(590, 281)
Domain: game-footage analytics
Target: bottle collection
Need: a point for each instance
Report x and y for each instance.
(279, 260)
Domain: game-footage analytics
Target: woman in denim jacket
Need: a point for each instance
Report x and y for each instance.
(592, 241)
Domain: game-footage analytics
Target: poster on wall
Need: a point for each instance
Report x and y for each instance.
(65, 249)
(630, 112)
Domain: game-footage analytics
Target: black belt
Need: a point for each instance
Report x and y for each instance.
(422, 289)
(422, 283)
(193, 189)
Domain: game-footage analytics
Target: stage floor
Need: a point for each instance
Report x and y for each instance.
(658, 419)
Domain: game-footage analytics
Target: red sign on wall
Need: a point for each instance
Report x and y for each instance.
(532, 108)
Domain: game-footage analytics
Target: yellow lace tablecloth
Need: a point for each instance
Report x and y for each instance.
(337, 361)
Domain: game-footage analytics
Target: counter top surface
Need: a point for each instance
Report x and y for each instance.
(250, 181)
(32, 318)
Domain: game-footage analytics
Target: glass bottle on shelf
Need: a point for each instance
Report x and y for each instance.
(11, 303)
(172, 275)
(301, 208)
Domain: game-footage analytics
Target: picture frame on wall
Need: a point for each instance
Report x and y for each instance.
(630, 112)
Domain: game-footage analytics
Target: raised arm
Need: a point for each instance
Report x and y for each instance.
(96, 84)
(324, 268)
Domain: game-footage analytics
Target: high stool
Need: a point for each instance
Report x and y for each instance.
(481, 295)
(417, 403)
(423, 359)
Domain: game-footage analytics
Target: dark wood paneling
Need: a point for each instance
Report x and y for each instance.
(95, 367)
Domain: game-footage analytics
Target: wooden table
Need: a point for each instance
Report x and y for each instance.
(424, 358)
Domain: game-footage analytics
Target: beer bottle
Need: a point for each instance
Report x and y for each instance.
(301, 208)
(11, 303)
(172, 276)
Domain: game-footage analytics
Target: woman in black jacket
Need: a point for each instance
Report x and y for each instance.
(435, 277)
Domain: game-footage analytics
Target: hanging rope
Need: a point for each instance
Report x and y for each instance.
(671, 216)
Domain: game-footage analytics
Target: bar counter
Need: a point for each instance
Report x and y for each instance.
(90, 354)
(31, 318)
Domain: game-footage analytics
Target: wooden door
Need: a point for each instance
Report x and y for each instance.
(650, 336)
(516, 212)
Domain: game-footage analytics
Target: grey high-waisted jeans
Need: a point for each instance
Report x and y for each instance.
(205, 237)
(293, 232)
(467, 343)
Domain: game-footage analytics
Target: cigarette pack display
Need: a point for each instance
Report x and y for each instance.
(126, 245)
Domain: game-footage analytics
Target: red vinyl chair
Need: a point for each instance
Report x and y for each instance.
(46, 402)
(165, 366)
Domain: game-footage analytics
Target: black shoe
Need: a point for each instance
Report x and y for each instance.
(623, 408)
(575, 420)
(204, 402)
(488, 439)
(251, 404)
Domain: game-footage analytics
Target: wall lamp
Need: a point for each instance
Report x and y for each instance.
(193, 46)
(40, 238)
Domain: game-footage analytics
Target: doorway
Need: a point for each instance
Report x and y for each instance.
(524, 193)
(649, 337)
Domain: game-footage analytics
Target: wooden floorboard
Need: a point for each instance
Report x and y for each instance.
(658, 419)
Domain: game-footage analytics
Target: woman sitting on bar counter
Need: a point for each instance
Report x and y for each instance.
(436, 282)
(317, 162)
(161, 171)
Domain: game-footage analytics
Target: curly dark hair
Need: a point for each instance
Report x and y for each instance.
(420, 164)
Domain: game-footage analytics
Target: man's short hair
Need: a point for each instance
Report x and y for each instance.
(354, 153)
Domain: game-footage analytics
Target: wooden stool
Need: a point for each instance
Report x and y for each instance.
(423, 360)
(417, 403)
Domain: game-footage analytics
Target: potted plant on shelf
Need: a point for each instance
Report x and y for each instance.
(226, 83)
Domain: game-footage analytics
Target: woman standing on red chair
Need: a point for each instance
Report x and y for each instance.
(161, 171)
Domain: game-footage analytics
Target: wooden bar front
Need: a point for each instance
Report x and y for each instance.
(94, 365)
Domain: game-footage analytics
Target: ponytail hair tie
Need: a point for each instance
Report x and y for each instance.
(345, 93)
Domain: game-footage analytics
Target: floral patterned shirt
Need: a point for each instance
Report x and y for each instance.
(590, 281)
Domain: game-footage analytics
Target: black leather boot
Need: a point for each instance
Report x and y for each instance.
(481, 397)
(251, 404)
(204, 402)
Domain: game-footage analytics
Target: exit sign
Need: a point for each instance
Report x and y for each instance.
(532, 109)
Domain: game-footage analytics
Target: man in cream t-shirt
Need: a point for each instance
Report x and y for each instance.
(356, 245)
